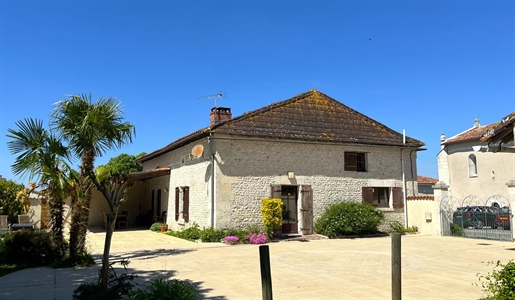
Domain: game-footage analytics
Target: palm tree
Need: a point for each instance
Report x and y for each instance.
(43, 157)
(91, 129)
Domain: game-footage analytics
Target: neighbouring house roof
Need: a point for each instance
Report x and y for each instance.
(501, 131)
(310, 116)
(426, 180)
(472, 134)
(149, 173)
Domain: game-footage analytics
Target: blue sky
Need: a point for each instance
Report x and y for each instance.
(431, 67)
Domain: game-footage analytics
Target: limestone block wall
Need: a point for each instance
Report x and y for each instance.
(394, 215)
(249, 167)
(246, 168)
(185, 170)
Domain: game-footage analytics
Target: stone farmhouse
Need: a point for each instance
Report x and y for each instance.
(310, 151)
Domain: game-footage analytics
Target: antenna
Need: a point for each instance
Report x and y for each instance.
(222, 94)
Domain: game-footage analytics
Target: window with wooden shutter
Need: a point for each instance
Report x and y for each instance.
(398, 198)
(360, 162)
(276, 191)
(368, 195)
(186, 204)
(177, 203)
(350, 161)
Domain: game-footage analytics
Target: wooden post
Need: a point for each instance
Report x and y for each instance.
(396, 266)
(266, 275)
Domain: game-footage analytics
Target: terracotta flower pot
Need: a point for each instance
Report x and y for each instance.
(164, 228)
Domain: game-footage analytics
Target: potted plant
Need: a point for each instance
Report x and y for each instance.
(163, 227)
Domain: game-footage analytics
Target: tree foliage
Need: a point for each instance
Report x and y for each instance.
(8, 203)
(124, 163)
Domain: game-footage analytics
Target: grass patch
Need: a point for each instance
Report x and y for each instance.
(6, 269)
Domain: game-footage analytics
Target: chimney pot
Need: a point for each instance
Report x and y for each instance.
(219, 114)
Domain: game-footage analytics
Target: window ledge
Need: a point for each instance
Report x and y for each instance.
(473, 176)
(386, 209)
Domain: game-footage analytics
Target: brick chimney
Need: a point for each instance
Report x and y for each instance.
(219, 114)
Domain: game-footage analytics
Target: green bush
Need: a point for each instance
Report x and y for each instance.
(456, 230)
(349, 218)
(30, 247)
(3, 252)
(156, 226)
(118, 286)
(191, 234)
(397, 226)
(167, 289)
(500, 284)
(211, 235)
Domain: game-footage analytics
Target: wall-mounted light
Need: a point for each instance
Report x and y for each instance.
(291, 175)
(493, 174)
(166, 190)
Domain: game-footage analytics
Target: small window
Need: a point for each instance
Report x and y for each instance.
(182, 204)
(383, 196)
(355, 161)
(472, 166)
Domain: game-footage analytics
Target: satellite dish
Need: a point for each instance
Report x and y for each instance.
(197, 151)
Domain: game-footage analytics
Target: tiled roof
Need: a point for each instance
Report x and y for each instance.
(472, 134)
(310, 116)
(502, 131)
(313, 116)
(142, 175)
(426, 180)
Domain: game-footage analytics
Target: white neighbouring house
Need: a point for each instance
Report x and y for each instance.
(310, 151)
(470, 166)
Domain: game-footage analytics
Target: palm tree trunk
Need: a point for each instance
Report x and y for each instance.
(80, 213)
(56, 222)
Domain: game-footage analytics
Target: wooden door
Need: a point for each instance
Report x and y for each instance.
(307, 210)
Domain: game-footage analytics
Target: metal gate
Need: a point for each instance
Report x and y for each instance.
(474, 217)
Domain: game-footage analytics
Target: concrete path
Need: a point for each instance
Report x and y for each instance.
(432, 267)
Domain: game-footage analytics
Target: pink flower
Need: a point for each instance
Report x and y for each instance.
(257, 238)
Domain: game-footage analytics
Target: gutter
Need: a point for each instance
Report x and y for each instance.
(213, 151)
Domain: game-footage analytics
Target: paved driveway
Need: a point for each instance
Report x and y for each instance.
(432, 267)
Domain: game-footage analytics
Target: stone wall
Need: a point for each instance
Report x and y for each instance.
(245, 170)
(251, 167)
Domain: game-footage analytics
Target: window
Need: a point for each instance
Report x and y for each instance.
(182, 203)
(355, 161)
(383, 196)
(472, 166)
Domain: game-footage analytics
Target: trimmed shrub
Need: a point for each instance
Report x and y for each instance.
(349, 218)
(30, 247)
(500, 284)
(271, 210)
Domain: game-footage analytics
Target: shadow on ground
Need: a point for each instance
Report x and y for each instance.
(143, 254)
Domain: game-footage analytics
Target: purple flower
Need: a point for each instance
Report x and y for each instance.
(257, 238)
(231, 239)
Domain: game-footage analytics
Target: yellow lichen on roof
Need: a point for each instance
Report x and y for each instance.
(328, 136)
